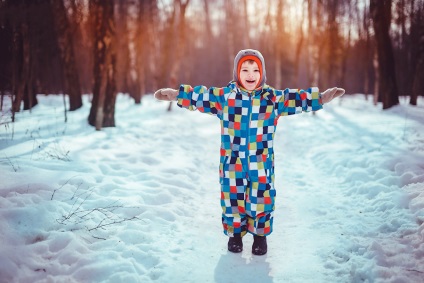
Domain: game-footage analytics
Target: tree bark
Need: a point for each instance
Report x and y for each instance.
(66, 46)
(368, 53)
(418, 85)
(298, 52)
(123, 56)
(82, 44)
(147, 52)
(380, 11)
(140, 42)
(230, 38)
(279, 33)
(314, 42)
(169, 37)
(22, 51)
(102, 112)
(180, 44)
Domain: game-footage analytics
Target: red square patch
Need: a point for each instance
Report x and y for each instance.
(238, 167)
(262, 179)
(185, 102)
(233, 189)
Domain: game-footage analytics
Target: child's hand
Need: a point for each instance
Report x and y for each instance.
(167, 94)
(331, 93)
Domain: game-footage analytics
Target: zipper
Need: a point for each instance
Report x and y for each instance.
(249, 119)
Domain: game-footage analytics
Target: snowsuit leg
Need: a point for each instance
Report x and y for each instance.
(233, 186)
(247, 198)
(260, 199)
(260, 194)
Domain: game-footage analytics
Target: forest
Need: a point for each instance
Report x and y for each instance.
(102, 48)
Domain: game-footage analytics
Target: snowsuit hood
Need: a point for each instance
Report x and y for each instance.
(249, 54)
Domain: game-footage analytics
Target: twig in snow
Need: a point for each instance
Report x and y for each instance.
(74, 211)
(105, 216)
(99, 238)
(54, 191)
(58, 152)
(101, 225)
(415, 270)
(12, 164)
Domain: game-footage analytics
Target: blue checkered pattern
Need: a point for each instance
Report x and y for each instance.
(248, 124)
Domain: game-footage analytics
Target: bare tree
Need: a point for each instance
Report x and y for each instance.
(278, 51)
(80, 26)
(145, 47)
(315, 42)
(380, 11)
(418, 82)
(6, 37)
(180, 38)
(66, 46)
(102, 112)
(300, 44)
(123, 70)
(21, 58)
(230, 30)
(365, 24)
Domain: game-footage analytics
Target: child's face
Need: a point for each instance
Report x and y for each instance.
(249, 75)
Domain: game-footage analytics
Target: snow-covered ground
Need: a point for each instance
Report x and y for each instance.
(140, 202)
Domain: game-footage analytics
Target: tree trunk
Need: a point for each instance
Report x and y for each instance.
(298, 52)
(102, 112)
(380, 11)
(179, 45)
(230, 26)
(147, 52)
(66, 46)
(140, 43)
(123, 72)
(332, 47)
(346, 51)
(30, 98)
(278, 42)
(314, 42)
(82, 45)
(377, 78)
(6, 47)
(246, 26)
(167, 57)
(208, 25)
(22, 51)
(418, 85)
(366, 69)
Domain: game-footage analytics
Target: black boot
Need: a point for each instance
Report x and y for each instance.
(259, 246)
(235, 244)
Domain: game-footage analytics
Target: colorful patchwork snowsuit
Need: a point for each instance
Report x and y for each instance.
(248, 123)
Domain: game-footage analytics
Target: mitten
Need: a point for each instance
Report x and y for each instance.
(167, 94)
(331, 93)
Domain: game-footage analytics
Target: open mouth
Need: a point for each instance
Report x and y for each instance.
(250, 81)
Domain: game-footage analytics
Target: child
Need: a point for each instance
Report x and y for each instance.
(248, 110)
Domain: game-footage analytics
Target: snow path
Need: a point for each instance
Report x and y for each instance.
(350, 197)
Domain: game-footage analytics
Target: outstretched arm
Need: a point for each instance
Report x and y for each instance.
(195, 98)
(201, 98)
(294, 101)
